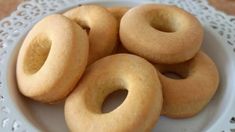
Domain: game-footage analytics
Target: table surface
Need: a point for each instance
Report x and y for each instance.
(7, 6)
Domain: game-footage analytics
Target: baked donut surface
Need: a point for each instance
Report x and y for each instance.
(187, 96)
(102, 26)
(139, 111)
(52, 59)
(161, 33)
(118, 12)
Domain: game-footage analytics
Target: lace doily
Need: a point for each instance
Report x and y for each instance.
(12, 27)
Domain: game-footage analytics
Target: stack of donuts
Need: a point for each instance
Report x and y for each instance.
(91, 51)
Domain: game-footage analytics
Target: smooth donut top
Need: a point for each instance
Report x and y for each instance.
(163, 31)
(187, 96)
(102, 26)
(119, 71)
(118, 11)
(48, 56)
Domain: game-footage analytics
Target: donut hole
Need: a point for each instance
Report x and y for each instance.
(163, 21)
(176, 74)
(173, 75)
(175, 71)
(163, 27)
(113, 100)
(36, 54)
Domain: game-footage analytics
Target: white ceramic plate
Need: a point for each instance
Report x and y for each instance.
(18, 113)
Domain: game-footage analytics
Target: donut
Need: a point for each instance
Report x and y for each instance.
(226, 6)
(187, 96)
(118, 12)
(141, 108)
(52, 59)
(102, 26)
(161, 33)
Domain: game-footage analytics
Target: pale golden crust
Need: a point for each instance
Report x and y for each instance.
(139, 111)
(103, 29)
(52, 58)
(177, 39)
(227, 6)
(188, 96)
(118, 12)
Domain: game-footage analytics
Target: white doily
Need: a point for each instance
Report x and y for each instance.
(12, 28)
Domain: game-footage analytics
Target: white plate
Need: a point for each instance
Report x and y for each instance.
(18, 113)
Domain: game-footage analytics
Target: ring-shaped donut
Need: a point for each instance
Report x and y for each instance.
(52, 59)
(118, 12)
(102, 26)
(139, 111)
(188, 96)
(161, 33)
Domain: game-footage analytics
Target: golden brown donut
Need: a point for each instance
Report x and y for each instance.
(52, 58)
(102, 26)
(228, 6)
(140, 110)
(118, 12)
(161, 33)
(188, 96)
